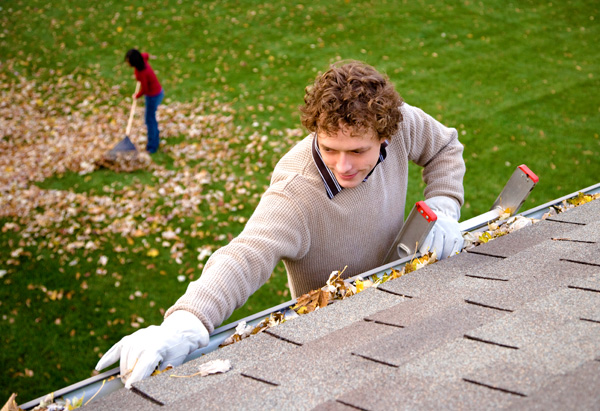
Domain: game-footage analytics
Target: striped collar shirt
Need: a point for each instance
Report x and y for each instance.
(332, 187)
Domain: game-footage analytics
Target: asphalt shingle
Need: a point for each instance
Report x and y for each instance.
(169, 390)
(554, 353)
(583, 214)
(589, 233)
(324, 366)
(524, 238)
(296, 383)
(591, 283)
(511, 295)
(332, 405)
(571, 303)
(237, 392)
(589, 253)
(437, 276)
(422, 336)
(575, 390)
(336, 316)
(123, 400)
(402, 391)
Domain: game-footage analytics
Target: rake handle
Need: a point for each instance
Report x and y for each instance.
(130, 122)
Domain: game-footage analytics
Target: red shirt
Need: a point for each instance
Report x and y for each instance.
(149, 83)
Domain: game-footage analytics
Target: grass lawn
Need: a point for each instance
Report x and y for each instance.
(88, 255)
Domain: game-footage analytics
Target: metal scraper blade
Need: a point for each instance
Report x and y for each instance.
(516, 191)
(419, 223)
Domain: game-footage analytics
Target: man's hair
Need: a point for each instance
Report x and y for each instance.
(354, 94)
(134, 57)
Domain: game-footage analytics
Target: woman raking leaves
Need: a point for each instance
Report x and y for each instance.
(151, 88)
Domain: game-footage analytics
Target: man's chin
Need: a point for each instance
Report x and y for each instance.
(349, 183)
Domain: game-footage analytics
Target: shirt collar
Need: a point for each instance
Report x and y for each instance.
(332, 187)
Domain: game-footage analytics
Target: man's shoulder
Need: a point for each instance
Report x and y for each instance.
(410, 111)
(302, 147)
(296, 172)
(413, 118)
(297, 160)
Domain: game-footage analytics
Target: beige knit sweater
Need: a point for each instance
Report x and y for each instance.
(296, 222)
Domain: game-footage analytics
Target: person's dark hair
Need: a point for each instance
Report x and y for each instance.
(134, 57)
(352, 93)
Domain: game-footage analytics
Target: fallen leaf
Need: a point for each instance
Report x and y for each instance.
(211, 367)
(11, 404)
(242, 330)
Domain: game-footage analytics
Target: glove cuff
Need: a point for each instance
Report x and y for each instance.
(184, 320)
(444, 205)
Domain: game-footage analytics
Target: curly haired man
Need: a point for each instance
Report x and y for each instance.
(336, 199)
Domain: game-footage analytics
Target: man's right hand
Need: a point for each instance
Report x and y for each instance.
(168, 344)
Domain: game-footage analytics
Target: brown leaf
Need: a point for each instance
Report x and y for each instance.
(11, 404)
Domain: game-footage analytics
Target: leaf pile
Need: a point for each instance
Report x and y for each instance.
(47, 404)
(125, 161)
(579, 199)
(505, 224)
(49, 129)
(335, 289)
(498, 228)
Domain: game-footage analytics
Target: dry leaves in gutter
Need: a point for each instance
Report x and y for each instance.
(506, 224)
(336, 288)
(243, 330)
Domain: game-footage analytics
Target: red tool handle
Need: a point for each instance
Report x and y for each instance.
(529, 173)
(425, 211)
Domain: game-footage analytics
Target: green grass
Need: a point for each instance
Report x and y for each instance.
(517, 80)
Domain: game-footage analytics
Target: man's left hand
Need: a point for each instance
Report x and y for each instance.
(445, 237)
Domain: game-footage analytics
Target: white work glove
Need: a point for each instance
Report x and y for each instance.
(445, 237)
(168, 344)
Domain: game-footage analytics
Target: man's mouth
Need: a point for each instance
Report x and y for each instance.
(347, 176)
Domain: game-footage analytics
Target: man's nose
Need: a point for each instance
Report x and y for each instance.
(343, 164)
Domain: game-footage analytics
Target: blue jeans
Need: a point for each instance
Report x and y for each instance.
(151, 123)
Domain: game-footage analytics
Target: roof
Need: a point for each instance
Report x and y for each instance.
(512, 323)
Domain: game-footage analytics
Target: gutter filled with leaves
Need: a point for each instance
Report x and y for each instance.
(475, 233)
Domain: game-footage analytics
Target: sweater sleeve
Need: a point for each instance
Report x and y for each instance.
(276, 230)
(436, 148)
(139, 75)
(142, 77)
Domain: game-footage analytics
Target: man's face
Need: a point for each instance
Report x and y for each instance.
(348, 155)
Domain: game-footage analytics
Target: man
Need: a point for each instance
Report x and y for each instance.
(336, 199)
